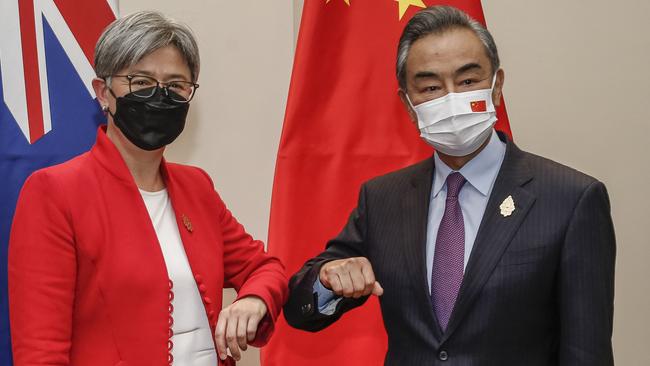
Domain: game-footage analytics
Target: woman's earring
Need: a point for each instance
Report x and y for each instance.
(105, 108)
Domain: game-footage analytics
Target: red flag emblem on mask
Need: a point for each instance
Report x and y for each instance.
(478, 106)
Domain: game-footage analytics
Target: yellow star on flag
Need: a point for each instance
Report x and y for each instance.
(346, 1)
(404, 5)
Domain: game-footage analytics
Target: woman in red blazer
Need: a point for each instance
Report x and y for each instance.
(118, 257)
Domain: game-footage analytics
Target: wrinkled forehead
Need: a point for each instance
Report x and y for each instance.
(447, 53)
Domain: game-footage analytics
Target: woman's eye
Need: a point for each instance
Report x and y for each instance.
(141, 82)
(468, 82)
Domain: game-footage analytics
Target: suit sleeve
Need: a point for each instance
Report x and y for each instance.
(301, 311)
(586, 282)
(42, 276)
(252, 272)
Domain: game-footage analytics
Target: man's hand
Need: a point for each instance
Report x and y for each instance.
(350, 277)
(237, 325)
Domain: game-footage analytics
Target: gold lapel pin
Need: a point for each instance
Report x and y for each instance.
(507, 207)
(187, 223)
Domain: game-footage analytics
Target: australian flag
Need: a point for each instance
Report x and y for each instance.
(48, 111)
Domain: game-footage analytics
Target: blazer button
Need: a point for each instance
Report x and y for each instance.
(443, 356)
(306, 309)
(198, 278)
(202, 288)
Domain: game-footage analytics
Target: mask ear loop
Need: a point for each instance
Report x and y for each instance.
(409, 100)
(412, 106)
(494, 80)
(105, 108)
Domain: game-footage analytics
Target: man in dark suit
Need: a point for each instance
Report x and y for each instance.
(482, 254)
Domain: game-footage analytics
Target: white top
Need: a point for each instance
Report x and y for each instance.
(192, 337)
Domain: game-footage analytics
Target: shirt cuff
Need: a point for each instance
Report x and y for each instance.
(327, 300)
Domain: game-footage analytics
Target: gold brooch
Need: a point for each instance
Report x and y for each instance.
(187, 223)
(507, 207)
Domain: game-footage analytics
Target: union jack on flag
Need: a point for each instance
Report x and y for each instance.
(48, 112)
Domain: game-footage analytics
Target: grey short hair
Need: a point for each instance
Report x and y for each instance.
(436, 20)
(127, 40)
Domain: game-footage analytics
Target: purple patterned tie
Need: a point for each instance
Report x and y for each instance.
(449, 255)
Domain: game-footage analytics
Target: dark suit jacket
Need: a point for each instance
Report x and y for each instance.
(538, 288)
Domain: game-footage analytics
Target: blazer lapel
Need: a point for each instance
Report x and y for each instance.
(495, 232)
(183, 215)
(415, 206)
(109, 158)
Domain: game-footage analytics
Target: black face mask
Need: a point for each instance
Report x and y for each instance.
(150, 123)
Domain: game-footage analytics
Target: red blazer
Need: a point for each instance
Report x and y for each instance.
(87, 280)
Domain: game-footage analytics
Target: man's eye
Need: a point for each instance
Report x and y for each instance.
(432, 88)
(468, 82)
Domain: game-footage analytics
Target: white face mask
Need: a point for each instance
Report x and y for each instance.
(458, 123)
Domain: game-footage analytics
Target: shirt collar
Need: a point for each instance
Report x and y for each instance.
(480, 172)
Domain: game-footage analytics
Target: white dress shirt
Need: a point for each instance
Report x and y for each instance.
(192, 339)
(481, 173)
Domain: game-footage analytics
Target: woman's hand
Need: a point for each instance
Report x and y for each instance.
(237, 325)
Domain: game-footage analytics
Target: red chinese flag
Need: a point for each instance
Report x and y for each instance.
(344, 124)
(478, 106)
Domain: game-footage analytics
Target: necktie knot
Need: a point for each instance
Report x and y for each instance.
(455, 182)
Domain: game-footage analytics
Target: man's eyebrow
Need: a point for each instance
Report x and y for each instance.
(426, 75)
(467, 67)
(430, 74)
